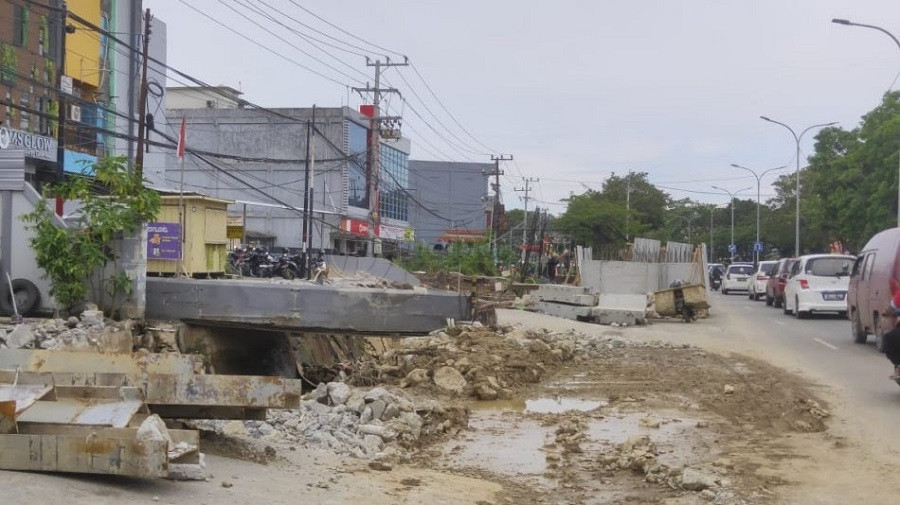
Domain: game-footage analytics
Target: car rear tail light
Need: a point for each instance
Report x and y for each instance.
(804, 284)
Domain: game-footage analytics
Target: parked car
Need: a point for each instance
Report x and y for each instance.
(737, 277)
(873, 281)
(776, 282)
(759, 278)
(818, 283)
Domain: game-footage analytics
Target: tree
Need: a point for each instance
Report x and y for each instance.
(70, 256)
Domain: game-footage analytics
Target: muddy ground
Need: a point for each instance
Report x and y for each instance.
(538, 417)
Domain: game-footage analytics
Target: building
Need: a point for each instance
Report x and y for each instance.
(450, 201)
(99, 81)
(260, 163)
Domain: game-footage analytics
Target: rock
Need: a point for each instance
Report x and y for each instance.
(356, 402)
(378, 407)
(234, 428)
(449, 379)
(649, 422)
(702, 424)
(415, 377)
(695, 480)
(338, 393)
(321, 393)
(729, 389)
(227, 484)
(21, 336)
(92, 318)
(72, 322)
(708, 495)
(153, 429)
(380, 466)
(390, 412)
(485, 392)
(188, 471)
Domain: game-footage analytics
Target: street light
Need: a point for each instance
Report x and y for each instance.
(689, 221)
(732, 194)
(797, 141)
(758, 183)
(891, 35)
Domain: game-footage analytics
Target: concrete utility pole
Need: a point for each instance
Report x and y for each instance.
(375, 139)
(526, 190)
(627, 205)
(305, 239)
(142, 101)
(64, 30)
(495, 221)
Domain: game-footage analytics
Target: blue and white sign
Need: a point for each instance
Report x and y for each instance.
(732, 248)
(758, 247)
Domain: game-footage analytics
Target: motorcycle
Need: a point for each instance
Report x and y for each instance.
(715, 283)
(261, 263)
(286, 267)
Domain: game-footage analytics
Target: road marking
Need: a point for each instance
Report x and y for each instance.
(826, 344)
(781, 323)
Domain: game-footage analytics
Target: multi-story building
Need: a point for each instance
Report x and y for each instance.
(450, 201)
(260, 164)
(99, 82)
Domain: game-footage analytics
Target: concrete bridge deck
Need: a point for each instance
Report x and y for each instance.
(302, 305)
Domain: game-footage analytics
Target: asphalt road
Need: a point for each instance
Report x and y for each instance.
(820, 347)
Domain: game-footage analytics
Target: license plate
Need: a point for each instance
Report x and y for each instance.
(833, 297)
(741, 279)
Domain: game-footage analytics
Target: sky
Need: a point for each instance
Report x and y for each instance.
(574, 90)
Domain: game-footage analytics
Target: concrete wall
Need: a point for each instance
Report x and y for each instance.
(452, 190)
(627, 277)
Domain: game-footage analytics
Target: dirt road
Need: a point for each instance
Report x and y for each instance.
(625, 418)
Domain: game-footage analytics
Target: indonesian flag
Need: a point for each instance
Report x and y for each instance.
(181, 140)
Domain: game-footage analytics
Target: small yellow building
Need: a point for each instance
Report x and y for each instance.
(203, 242)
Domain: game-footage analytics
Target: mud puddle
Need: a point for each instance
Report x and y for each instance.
(513, 438)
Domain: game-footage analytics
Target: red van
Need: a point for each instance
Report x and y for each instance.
(873, 281)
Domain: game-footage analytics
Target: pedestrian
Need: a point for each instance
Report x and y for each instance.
(891, 340)
(552, 262)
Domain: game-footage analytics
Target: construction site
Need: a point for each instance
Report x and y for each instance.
(488, 391)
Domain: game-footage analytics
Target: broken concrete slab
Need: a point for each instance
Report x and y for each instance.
(273, 304)
(621, 309)
(21, 336)
(572, 295)
(574, 312)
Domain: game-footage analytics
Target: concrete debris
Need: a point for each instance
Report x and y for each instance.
(189, 471)
(21, 337)
(370, 424)
(695, 480)
(729, 389)
(450, 379)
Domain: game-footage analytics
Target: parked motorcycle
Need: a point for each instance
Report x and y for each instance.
(287, 267)
(261, 263)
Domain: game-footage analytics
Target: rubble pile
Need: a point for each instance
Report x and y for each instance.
(90, 331)
(469, 361)
(364, 423)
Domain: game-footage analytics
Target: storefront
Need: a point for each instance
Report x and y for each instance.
(40, 153)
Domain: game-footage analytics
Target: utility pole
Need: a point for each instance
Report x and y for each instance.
(627, 206)
(61, 98)
(495, 221)
(375, 140)
(305, 232)
(142, 101)
(526, 190)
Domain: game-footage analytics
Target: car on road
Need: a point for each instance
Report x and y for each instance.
(759, 278)
(818, 283)
(737, 277)
(874, 280)
(776, 282)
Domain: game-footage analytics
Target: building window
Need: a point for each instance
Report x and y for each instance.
(394, 200)
(20, 25)
(25, 116)
(357, 149)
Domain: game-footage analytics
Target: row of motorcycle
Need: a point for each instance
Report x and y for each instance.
(260, 262)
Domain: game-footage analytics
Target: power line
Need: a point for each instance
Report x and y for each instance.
(313, 14)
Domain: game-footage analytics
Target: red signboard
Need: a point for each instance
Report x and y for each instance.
(355, 227)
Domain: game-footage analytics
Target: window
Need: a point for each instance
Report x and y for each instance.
(25, 116)
(394, 202)
(357, 149)
(829, 267)
(20, 25)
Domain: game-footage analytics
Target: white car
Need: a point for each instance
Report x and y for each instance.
(818, 283)
(760, 278)
(737, 277)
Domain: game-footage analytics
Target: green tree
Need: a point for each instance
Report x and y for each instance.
(70, 256)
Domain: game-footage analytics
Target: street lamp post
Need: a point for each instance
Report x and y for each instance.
(758, 184)
(688, 221)
(797, 139)
(732, 195)
(891, 35)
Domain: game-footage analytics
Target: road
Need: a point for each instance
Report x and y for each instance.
(821, 348)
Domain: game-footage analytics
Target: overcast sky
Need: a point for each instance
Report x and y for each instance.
(574, 90)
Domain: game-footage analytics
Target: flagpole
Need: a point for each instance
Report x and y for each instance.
(181, 211)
